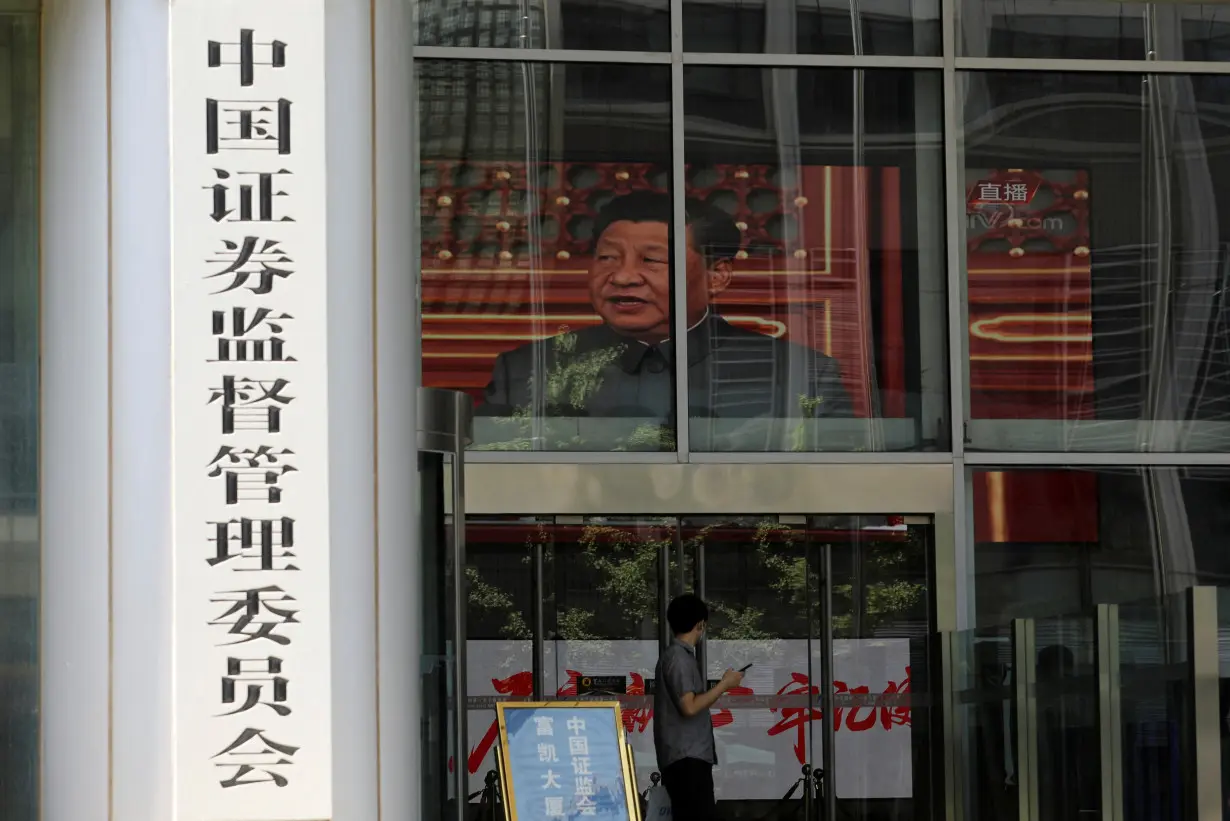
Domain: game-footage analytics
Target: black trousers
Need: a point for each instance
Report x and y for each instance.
(689, 783)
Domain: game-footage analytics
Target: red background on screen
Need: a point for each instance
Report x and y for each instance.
(1031, 350)
(482, 281)
(503, 266)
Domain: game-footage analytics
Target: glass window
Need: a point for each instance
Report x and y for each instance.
(827, 613)
(1157, 711)
(879, 621)
(1052, 544)
(546, 251)
(1095, 31)
(561, 609)
(601, 25)
(1097, 251)
(832, 613)
(501, 590)
(901, 27)
(19, 531)
(1055, 542)
(603, 606)
(815, 271)
(437, 739)
(761, 584)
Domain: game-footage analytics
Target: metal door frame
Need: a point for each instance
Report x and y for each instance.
(596, 486)
(931, 491)
(445, 426)
(940, 491)
(818, 558)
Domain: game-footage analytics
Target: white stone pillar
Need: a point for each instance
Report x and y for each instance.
(352, 410)
(397, 373)
(75, 442)
(142, 548)
(108, 719)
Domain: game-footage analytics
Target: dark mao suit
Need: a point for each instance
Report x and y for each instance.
(734, 376)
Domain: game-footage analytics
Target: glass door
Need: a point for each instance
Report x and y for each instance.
(438, 663)
(834, 615)
(604, 606)
(877, 638)
(762, 582)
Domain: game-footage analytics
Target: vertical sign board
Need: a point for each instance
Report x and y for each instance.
(251, 549)
(566, 760)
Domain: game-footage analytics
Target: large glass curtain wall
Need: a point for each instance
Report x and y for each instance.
(832, 612)
(983, 233)
(807, 229)
(623, 254)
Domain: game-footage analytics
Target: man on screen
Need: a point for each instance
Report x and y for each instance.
(623, 368)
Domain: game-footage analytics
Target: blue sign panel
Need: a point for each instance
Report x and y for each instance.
(564, 762)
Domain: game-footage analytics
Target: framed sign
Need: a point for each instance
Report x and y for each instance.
(566, 760)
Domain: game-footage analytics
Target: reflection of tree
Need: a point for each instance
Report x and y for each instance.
(623, 563)
(610, 593)
(619, 565)
(742, 624)
(889, 593)
(803, 433)
(626, 562)
(789, 576)
(575, 624)
(567, 388)
(560, 433)
(485, 596)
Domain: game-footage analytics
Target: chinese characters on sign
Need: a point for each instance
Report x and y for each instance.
(553, 804)
(578, 749)
(251, 524)
(993, 192)
(770, 726)
(564, 761)
(1016, 188)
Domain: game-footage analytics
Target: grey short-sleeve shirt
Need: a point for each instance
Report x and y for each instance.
(676, 736)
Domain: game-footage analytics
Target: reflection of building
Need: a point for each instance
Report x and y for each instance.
(997, 584)
(490, 25)
(449, 98)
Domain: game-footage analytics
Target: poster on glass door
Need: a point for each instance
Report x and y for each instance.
(762, 743)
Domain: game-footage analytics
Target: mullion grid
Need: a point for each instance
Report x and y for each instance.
(679, 241)
(951, 64)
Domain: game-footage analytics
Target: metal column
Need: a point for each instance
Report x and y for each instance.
(1205, 719)
(445, 426)
(1025, 708)
(955, 753)
(1110, 715)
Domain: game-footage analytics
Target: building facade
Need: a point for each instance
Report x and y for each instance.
(895, 329)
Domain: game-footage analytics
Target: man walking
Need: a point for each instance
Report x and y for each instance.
(682, 728)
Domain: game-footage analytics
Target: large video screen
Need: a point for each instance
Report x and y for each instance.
(548, 297)
(1031, 346)
(1030, 292)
